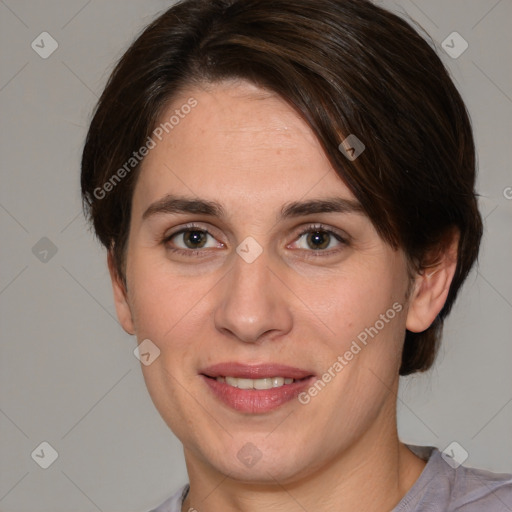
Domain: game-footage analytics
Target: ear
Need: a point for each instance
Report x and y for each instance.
(432, 285)
(124, 313)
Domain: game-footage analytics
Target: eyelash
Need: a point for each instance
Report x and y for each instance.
(309, 229)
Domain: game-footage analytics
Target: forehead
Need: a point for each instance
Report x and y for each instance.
(237, 141)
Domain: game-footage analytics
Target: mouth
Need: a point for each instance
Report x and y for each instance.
(255, 388)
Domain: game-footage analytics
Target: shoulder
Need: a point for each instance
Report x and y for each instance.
(445, 485)
(475, 490)
(174, 503)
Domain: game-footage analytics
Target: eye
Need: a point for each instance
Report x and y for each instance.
(320, 239)
(190, 241)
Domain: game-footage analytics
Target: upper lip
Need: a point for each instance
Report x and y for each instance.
(255, 371)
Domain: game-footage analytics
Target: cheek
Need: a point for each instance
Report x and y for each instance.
(347, 304)
(162, 302)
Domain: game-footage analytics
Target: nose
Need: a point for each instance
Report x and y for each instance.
(252, 303)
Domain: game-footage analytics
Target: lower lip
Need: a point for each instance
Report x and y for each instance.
(256, 401)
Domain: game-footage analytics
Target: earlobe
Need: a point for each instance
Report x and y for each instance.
(124, 313)
(431, 288)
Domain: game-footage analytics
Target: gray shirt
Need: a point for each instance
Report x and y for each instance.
(440, 488)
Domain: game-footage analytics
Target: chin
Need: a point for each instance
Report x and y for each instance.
(262, 473)
(260, 466)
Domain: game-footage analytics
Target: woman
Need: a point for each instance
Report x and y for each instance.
(286, 193)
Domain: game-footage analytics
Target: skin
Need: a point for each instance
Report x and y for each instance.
(247, 149)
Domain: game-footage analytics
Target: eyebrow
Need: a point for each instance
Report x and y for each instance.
(173, 204)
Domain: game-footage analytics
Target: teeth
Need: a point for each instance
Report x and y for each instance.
(268, 383)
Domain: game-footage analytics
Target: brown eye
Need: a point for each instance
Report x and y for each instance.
(318, 239)
(194, 239)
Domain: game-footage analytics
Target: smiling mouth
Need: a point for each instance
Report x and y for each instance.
(257, 388)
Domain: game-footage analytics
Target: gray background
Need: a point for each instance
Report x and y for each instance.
(68, 373)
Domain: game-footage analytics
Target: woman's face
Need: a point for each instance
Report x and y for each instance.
(266, 285)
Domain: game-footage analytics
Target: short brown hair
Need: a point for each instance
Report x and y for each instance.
(347, 67)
